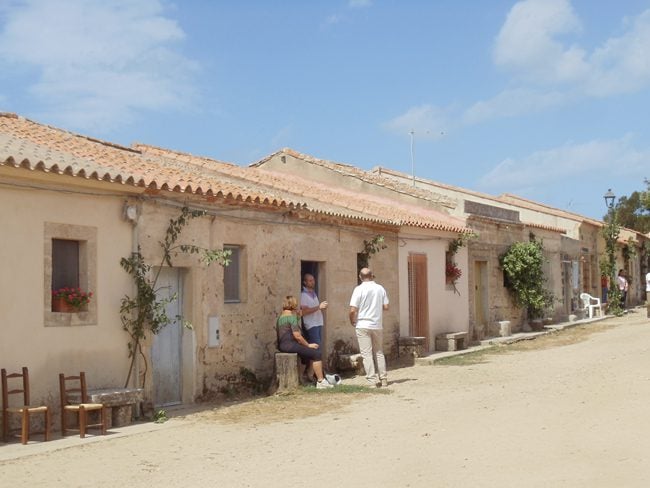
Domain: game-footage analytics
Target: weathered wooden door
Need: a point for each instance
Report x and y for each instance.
(166, 350)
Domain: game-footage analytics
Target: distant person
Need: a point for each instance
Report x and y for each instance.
(647, 293)
(290, 339)
(367, 305)
(623, 286)
(312, 315)
(604, 282)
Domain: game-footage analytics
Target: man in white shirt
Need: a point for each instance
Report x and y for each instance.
(367, 304)
(623, 287)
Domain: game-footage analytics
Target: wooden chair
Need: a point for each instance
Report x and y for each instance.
(24, 409)
(74, 398)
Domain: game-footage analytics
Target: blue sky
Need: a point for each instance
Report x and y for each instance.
(547, 99)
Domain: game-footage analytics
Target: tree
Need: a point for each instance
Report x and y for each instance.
(633, 212)
(645, 196)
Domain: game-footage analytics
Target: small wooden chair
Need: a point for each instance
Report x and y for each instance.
(77, 388)
(25, 410)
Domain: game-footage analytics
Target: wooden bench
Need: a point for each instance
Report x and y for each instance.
(451, 341)
(122, 403)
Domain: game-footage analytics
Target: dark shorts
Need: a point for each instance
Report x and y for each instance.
(305, 353)
(314, 335)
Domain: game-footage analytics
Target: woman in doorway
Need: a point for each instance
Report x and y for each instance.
(290, 339)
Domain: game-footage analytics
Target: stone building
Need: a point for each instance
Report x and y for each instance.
(74, 206)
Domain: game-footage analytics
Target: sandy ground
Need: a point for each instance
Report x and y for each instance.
(557, 413)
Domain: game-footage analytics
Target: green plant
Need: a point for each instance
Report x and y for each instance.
(373, 246)
(522, 265)
(461, 241)
(160, 417)
(610, 233)
(145, 312)
(73, 296)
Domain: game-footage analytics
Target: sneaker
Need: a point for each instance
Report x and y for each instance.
(384, 383)
(323, 384)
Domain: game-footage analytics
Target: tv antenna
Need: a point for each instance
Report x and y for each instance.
(412, 133)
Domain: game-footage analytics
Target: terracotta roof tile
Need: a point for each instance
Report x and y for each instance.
(367, 176)
(326, 197)
(27, 144)
(34, 146)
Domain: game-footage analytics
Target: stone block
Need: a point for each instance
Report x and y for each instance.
(121, 415)
(504, 328)
(411, 346)
(287, 371)
(451, 341)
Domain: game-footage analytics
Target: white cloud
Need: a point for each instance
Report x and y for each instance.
(99, 62)
(547, 72)
(513, 102)
(569, 161)
(528, 44)
(427, 121)
(622, 64)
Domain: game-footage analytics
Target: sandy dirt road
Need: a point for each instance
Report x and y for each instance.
(573, 415)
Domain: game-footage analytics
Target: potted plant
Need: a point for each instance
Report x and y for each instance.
(69, 299)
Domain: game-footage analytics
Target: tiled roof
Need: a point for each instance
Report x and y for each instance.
(505, 198)
(30, 145)
(333, 200)
(27, 144)
(545, 227)
(367, 176)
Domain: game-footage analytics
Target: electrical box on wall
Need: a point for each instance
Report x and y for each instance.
(214, 331)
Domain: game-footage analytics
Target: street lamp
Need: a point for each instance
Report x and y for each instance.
(609, 199)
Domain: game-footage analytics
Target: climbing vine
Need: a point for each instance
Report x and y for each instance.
(145, 312)
(610, 233)
(452, 270)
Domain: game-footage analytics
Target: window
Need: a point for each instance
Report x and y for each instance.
(232, 275)
(70, 261)
(65, 263)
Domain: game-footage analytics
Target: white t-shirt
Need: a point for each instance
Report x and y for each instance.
(369, 298)
(647, 282)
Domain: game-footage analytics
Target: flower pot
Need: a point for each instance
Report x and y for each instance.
(61, 305)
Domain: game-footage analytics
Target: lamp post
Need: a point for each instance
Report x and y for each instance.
(611, 232)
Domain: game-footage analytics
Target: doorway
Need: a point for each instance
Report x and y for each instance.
(166, 348)
(317, 270)
(418, 284)
(480, 300)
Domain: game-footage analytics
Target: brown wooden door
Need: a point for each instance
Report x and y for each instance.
(418, 296)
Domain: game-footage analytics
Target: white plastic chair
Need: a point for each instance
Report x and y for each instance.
(591, 303)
